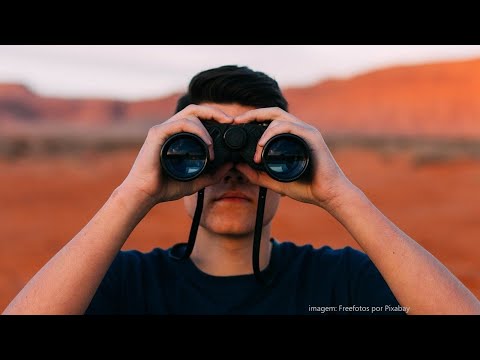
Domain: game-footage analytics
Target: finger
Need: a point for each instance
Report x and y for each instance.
(263, 114)
(206, 135)
(160, 133)
(277, 128)
(210, 179)
(204, 112)
(260, 178)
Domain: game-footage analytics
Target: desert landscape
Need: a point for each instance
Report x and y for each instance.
(409, 137)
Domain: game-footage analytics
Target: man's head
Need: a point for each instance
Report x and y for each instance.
(231, 84)
(230, 206)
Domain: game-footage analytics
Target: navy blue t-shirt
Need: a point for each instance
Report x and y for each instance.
(304, 280)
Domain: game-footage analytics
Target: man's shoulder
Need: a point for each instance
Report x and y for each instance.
(138, 254)
(325, 259)
(324, 253)
(139, 259)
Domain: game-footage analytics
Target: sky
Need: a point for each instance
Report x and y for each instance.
(137, 72)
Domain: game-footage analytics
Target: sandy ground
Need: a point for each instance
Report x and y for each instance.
(45, 202)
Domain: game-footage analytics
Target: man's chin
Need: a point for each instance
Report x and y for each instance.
(230, 231)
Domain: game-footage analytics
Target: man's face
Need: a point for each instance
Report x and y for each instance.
(230, 206)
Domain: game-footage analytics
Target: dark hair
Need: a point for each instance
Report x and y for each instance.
(230, 84)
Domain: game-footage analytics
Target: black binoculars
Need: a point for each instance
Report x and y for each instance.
(285, 157)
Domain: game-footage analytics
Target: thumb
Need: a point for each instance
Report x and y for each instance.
(213, 178)
(259, 178)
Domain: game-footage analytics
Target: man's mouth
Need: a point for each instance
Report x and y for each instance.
(233, 196)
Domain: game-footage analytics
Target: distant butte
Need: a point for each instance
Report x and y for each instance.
(438, 99)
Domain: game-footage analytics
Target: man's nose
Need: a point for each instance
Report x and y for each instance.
(234, 176)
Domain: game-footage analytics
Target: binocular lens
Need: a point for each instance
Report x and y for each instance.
(184, 156)
(285, 157)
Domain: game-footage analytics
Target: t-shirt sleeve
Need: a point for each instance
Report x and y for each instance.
(108, 298)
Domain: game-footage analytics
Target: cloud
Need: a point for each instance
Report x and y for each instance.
(139, 71)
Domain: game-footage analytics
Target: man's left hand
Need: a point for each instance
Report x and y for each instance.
(327, 182)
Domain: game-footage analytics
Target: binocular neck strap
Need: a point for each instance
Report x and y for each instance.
(257, 237)
(195, 224)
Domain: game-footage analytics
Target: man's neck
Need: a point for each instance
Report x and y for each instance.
(222, 255)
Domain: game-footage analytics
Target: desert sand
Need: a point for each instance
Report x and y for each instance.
(44, 202)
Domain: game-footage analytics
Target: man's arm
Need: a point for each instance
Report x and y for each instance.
(68, 282)
(417, 279)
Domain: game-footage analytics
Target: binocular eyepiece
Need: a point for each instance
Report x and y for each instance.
(184, 156)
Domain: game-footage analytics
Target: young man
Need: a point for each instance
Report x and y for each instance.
(396, 275)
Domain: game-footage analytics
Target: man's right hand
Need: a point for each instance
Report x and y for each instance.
(146, 177)
(84, 261)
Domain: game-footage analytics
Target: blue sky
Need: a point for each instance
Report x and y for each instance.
(146, 71)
